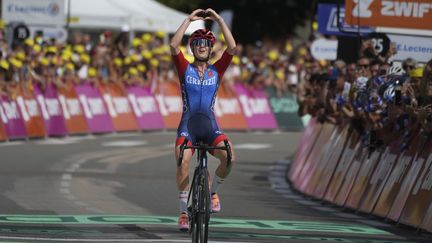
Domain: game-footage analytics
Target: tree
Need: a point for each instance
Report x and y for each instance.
(254, 20)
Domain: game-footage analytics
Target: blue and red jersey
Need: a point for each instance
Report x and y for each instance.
(199, 95)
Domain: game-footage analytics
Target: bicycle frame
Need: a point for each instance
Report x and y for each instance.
(199, 195)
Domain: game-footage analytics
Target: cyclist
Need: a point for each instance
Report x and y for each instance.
(199, 83)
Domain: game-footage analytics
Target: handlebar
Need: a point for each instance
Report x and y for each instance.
(204, 147)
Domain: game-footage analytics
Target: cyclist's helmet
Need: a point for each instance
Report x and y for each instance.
(395, 70)
(202, 34)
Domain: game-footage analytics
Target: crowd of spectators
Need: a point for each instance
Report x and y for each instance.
(382, 101)
(143, 60)
(372, 93)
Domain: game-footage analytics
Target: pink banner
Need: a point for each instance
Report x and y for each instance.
(145, 108)
(12, 118)
(98, 119)
(51, 110)
(256, 108)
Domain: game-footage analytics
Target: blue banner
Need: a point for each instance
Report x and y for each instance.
(327, 21)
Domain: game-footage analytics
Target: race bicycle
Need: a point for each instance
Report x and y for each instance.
(199, 202)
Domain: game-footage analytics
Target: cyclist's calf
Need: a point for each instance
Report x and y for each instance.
(183, 168)
(225, 166)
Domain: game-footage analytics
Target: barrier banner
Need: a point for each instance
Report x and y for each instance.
(419, 166)
(304, 157)
(420, 196)
(51, 109)
(328, 171)
(12, 118)
(379, 177)
(256, 108)
(305, 153)
(410, 14)
(117, 102)
(306, 144)
(285, 110)
(323, 161)
(145, 108)
(367, 168)
(75, 120)
(98, 119)
(397, 176)
(427, 220)
(170, 103)
(228, 110)
(2, 128)
(31, 113)
(346, 171)
(314, 159)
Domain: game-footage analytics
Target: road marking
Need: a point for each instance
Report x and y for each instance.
(100, 240)
(124, 143)
(252, 146)
(310, 226)
(11, 143)
(54, 141)
(299, 237)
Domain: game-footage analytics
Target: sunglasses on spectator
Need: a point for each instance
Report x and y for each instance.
(202, 42)
(363, 65)
(409, 67)
(382, 71)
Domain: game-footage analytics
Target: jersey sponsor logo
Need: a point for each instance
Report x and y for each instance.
(193, 80)
(184, 134)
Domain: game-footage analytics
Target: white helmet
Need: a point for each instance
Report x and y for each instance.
(395, 70)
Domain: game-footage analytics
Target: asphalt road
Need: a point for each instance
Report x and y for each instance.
(121, 188)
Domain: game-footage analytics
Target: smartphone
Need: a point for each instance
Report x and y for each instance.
(346, 90)
(398, 93)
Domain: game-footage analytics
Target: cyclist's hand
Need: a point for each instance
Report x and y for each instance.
(212, 15)
(197, 15)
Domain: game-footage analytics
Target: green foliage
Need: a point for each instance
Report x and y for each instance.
(185, 6)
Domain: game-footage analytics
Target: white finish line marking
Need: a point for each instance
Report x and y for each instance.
(252, 146)
(124, 143)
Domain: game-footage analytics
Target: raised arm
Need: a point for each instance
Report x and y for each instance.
(231, 44)
(177, 38)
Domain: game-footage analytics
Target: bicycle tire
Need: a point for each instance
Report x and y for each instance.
(204, 210)
(195, 230)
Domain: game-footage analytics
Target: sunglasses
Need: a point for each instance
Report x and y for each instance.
(409, 67)
(363, 65)
(202, 42)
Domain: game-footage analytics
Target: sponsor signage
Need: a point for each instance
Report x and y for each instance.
(324, 49)
(411, 14)
(40, 12)
(328, 21)
(419, 48)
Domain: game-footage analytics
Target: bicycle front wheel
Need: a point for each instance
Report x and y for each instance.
(200, 227)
